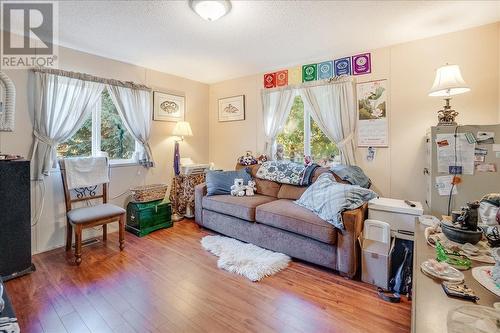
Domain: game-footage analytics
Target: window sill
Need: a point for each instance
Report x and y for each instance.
(123, 163)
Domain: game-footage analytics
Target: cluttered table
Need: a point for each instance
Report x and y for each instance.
(430, 303)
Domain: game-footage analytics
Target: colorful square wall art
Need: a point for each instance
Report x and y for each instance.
(325, 70)
(168, 107)
(342, 66)
(295, 75)
(361, 64)
(232, 108)
(270, 80)
(282, 78)
(309, 72)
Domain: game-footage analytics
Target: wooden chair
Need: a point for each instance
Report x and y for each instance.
(90, 216)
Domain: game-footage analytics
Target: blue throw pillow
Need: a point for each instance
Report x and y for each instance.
(220, 182)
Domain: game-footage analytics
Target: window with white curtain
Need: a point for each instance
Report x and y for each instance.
(103, 132)
(301, 137)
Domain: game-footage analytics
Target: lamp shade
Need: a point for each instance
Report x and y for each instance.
(448, 81)
(182, 128)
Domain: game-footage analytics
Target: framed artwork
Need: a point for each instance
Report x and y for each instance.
(168, 107)
(232, 108)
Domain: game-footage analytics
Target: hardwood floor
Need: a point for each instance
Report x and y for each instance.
(165, 282)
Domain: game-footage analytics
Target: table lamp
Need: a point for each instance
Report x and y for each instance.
(182, 129)
(448, 82)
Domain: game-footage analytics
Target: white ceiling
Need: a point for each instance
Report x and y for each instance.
(256, 36)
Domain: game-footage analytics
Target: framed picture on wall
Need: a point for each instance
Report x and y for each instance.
(168, 107)
(232, 108)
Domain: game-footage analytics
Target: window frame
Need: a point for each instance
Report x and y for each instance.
(96, 118)
(307, 125)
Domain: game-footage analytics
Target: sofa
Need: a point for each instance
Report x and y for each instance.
(270, 219)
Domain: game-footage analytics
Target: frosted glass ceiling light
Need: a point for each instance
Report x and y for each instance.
(210, 10)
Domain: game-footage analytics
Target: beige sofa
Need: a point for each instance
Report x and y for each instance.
(272, 220)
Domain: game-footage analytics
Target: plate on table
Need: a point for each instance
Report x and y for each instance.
(484, 275)
(449, 274)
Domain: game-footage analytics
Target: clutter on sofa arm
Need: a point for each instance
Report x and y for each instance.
(352, 174)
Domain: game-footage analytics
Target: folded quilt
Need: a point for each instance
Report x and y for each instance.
(328, 199)
(352, 174)
(286, 172)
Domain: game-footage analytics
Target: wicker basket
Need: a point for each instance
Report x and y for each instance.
(148, 193)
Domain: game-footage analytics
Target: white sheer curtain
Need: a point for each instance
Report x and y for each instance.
(276, 105)
(333, 108)
(61, 105)
(134, 107)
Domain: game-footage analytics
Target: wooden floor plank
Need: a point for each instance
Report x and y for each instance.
(166, 282)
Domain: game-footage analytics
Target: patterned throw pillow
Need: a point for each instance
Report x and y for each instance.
(328, 199)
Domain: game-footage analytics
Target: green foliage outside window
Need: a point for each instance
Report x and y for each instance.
(80, 144)
(323, 150)
(115, 139)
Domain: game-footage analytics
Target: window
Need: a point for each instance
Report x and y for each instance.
(102, 132)
(302, 136)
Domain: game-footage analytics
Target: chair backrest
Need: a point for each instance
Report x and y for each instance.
(83, 193)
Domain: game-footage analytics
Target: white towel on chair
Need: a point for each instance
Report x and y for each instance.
(86, 171)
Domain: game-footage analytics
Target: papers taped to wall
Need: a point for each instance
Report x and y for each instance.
(444, 185)
(451, 153)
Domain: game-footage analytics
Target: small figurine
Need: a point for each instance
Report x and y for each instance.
(280, 152)
(247, 159)
(238, 189)
(262, 158)
(250, 188)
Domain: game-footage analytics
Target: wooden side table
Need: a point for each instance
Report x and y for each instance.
(182, 195)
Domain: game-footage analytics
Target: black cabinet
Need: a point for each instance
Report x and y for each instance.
(15, 219)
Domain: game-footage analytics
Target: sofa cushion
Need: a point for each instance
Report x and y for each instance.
(240, 207)
(285, 214)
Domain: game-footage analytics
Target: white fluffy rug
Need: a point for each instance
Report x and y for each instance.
(245, 259)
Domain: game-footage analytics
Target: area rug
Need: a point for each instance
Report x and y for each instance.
(245, 259)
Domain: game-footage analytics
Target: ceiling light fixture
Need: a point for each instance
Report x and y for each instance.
(210, 10)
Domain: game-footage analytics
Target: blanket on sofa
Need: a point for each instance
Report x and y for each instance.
(328, 199)
(353, 174)
(286, 172)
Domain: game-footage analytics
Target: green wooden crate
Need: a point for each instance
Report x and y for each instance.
(146, 217)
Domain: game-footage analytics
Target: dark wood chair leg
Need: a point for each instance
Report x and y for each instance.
(121, 231)
(69, 235)
(104, 232)
(78, 244)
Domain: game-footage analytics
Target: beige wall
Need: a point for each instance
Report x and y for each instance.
(49, 232)
(409, 68)
(396, 172)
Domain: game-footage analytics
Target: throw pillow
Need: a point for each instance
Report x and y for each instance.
(328, 199)
(220, 182)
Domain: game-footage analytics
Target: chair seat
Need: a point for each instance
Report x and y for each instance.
(89, 214)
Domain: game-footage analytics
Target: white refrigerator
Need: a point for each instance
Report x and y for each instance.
(444, 150)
